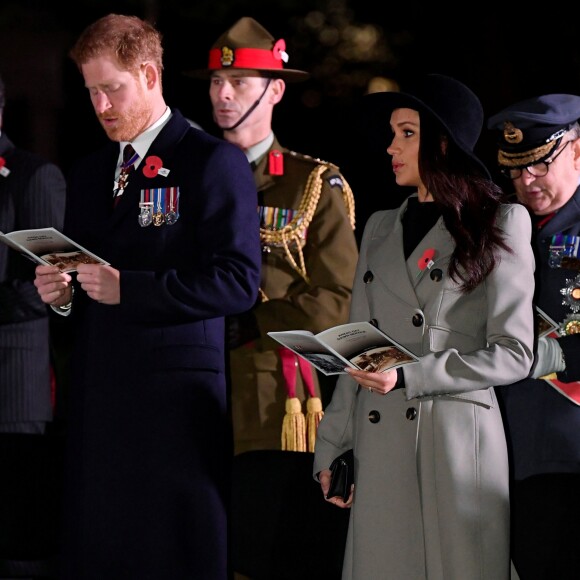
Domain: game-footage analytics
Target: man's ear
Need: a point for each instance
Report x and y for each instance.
(576, 152)
(151, 74)
(278, 86)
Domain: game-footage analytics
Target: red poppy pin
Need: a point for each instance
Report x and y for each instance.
(4, 171)
(153, 166)
(426, 260)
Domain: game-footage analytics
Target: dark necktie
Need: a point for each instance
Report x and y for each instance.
(126, 167)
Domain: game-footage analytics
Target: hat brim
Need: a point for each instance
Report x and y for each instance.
(290, 75)
(377, 109)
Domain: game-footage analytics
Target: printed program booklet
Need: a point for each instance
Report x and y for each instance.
(547, 327)
(47, 246)
(359, 345)
(545, 324)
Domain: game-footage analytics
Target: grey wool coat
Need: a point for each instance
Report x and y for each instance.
(431, 470)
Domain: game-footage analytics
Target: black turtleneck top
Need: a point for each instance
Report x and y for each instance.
(418, 219)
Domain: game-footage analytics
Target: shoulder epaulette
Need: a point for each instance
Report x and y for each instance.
(316, 160)
(294, 233)
(333, 181)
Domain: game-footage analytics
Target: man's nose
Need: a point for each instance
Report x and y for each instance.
(101, 102)
(226, 91)
(526, 177)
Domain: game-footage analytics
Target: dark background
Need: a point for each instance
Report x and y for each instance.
(503, 51)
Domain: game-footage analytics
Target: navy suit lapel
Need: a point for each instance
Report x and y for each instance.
(163, 147)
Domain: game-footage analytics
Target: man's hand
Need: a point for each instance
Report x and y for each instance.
(53, 285)
(101, 283)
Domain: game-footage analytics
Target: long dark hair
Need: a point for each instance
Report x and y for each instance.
(468, 200)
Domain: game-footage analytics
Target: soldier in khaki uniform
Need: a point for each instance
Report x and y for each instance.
(307, 231)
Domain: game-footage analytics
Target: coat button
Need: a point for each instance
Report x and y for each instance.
(368, 277)
(436, 275)
(411, 413)
(417, 319)
(374, 322)
(374, 416)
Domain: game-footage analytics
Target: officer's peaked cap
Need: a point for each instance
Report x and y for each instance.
(531, 130)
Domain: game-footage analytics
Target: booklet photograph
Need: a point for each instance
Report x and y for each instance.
(359, 345)
(47, 246)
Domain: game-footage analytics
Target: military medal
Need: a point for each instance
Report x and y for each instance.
(564, 252)
(571, 294)
(158, 217)
(145, 209)
(171, 215)
(145, 215)
(571, 324)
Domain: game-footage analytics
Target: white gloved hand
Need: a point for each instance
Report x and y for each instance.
(550, 358)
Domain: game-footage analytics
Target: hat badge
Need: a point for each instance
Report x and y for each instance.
(279, 50)
(512, 134)
(227, 57)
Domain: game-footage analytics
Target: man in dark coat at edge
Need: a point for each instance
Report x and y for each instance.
(539, 152)
(149, 439)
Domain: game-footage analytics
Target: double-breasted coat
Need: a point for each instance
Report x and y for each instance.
(32, 195)
(149, 441)
(288, 300)
(431, 470)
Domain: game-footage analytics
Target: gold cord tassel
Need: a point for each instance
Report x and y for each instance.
(314, 413)
(294, 427)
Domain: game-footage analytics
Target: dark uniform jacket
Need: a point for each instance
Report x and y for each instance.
(313, 297)
(149, 437)
(32, 195)
(542, 425)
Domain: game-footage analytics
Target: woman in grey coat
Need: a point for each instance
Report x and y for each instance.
(449, 275)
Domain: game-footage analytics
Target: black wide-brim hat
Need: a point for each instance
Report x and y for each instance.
(247, 45)
(454, 105)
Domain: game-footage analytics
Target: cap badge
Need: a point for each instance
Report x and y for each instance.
(512, 134)
(279, 50)
(227, 57)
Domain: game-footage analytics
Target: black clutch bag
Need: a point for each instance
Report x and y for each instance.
(342, 476)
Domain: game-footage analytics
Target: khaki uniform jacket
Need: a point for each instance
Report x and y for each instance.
(431, 469)
(330, 253)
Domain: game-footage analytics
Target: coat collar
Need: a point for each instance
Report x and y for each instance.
(261, 171)
(567, 217)
(386, 258)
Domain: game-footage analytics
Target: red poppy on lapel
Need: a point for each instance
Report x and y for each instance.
(426, 260)
(152, 166)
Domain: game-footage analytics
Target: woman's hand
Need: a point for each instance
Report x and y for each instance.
(380, 383)
(324, 478)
